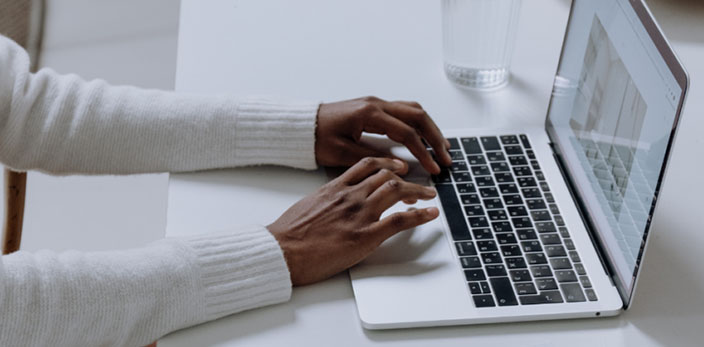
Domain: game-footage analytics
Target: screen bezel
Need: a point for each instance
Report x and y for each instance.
(682, 79)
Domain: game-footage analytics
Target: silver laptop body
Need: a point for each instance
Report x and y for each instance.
(544, 223)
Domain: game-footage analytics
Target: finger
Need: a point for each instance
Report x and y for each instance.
(369, 166)
(417, 118)
(352, 152)
(400, 221)
(395, 129)
(373, 182)
(393, 191)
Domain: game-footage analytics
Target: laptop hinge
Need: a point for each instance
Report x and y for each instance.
(581, 208)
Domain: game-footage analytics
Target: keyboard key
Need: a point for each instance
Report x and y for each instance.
(540, 215)
(490, 143)
(555, 251)
(554, 209)
(491, 258)
(508, 188)
(513, 199)
(522, 222)
(517, 160)
(482, 234)
(513, 150)
(493, 203)
(470, 199)
(474, 210)
(534, 164)
(565, 276)
(559, 221)
(584, 280)
(574, 257)
(509, 139)
(465, 248)
(474, 288)
(443, 177)
(503, 177)
(520, 275)
(536, 258)
(486, 246)
(591, 295)
(549, 297)
(503, 291)
(474, 275)
(545, 227)
(539, 174)
(560, 263)
(526, 234)
(496, 215)
(465, 188)
(511, 251)
(516, 263)
(484, 285)
(572, 292)
(471, 145)
(462, 176)
(544, 186)
(456, 155)
(470, 262)
(524, 140)
(531, 193)
(458, 166)
(522, 171)
(516, 211)
(476, 159)
(527, 182)
(495, 271)
(484, 181)
(488, 192)
(453, 212)
(478, 222)
(536, 204)
(525, 288)
(495, 156)
(454, 143)
(500, 166)
(579, 267)
(549, 198)
(550, 239)
(502, 227)
(564, 233)
(506, 238)
(541, 271)
(483, 301)
(530, 154)
(569, 244)
(481, 170)
(546, 284)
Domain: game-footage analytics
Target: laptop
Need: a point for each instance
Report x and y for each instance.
(549, 222)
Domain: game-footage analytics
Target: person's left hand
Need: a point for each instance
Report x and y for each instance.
(341, 124)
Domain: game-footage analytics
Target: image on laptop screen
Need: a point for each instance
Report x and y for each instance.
(613, 110)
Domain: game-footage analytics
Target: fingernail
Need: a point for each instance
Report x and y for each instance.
(398, 164)
(433, 211)
(430, 191)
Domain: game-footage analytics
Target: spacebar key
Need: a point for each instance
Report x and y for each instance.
(453, 212)
(503, 291)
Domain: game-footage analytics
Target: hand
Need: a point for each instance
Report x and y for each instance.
(341, 124)
(338, 226)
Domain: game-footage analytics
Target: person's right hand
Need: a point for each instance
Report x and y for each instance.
(339, 225)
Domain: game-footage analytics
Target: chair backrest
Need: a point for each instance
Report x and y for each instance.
(22, 21)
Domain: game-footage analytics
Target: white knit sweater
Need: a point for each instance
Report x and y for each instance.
(62, 125)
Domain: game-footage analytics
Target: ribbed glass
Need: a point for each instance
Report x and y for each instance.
(478, 40)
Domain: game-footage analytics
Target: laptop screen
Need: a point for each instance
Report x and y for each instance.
(612, 117)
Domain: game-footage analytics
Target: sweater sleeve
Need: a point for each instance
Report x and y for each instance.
(62, 124)
(131, 298)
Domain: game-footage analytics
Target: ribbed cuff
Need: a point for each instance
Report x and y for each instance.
(270, 132)
(240, 270)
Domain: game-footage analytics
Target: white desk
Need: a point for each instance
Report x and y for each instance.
(330, 50)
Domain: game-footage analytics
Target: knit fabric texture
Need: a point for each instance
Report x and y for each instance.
(62, 124)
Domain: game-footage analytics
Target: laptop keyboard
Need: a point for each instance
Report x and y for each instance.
(511, 240)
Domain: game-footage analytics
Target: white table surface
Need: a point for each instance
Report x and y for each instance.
(331, 50)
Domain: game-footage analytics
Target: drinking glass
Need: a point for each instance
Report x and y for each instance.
(478, 40)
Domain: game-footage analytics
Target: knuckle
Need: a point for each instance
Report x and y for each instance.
(415, 104)
(370, 99)
(393, 185)
(368, 162)
(353, 208)
(397, 220)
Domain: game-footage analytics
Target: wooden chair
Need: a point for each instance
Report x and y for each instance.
(22, 21)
